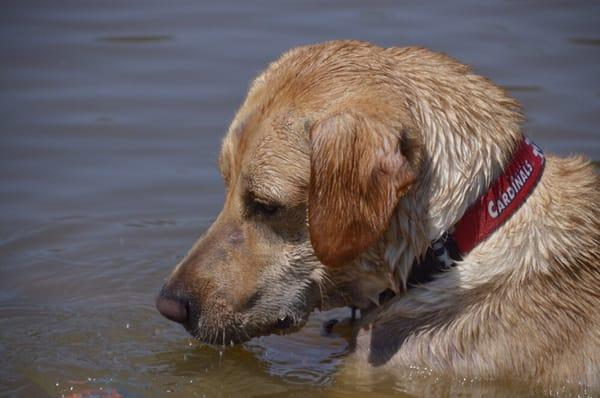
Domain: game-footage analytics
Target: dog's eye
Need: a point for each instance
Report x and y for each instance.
(267, 209)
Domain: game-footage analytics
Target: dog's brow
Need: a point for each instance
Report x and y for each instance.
(234, 142)
(263, 188)
(225, 161)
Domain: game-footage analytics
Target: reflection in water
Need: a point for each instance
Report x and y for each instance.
(112, 117)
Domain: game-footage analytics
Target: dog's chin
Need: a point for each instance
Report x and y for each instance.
(233, 334)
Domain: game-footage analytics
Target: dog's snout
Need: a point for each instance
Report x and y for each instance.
(172, 307)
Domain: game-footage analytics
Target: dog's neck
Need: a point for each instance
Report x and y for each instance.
(459, 164)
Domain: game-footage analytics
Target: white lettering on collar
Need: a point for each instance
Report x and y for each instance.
(517, 181)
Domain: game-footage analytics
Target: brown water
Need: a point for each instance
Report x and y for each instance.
(111, 119)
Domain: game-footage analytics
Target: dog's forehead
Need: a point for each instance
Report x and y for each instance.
(270, 153)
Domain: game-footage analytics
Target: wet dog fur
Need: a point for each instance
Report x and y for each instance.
(343, 164)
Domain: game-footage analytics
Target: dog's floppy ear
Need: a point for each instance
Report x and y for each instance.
(358, 174)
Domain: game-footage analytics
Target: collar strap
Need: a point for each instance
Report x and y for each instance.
(504, 197)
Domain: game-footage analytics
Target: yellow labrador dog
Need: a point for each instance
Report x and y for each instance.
(347, 167)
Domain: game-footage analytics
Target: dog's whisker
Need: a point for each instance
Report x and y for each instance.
(237, 330)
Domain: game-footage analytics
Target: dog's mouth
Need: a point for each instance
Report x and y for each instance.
(284, 323)
(234, 333)
(224, 325)
(287, 325)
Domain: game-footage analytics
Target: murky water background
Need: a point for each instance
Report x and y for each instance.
(111, 115)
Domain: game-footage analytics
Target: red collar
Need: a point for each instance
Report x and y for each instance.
(503, 198)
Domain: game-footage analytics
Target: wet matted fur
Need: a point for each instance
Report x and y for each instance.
(344, 163)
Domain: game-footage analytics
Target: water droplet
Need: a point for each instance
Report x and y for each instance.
(57, 384)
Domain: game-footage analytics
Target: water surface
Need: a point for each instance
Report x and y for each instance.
(111, 116)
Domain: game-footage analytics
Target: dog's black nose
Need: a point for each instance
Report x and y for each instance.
(173, 308)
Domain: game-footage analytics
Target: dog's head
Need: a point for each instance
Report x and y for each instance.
(314, 166)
